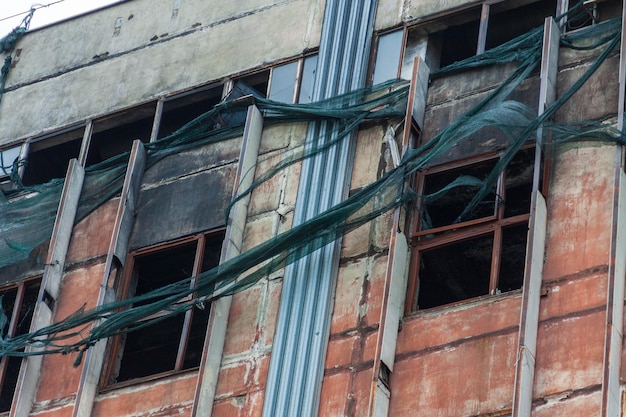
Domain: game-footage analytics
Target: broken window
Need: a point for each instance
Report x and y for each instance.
(49, 156)
(183, 108)
(592, 12)
(174, 343)
(18, 304)
(462, 35)
(461, 255)
(114, 134)
(258, 81)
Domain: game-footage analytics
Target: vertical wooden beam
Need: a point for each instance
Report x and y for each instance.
(529, 316)
(116, 256)
(53, 273)
(218, 318)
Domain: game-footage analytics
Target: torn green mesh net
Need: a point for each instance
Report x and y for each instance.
(515, 120)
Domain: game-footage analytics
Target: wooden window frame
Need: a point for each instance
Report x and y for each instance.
(115, 349)
(439, 237)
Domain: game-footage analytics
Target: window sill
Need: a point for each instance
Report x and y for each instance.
(464, 304)
(144, 380)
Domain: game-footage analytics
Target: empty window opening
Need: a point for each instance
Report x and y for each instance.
(48, 157)
(388, 56)
(170, 343)
(18, 303)
(592, 12)
(482, 254)
(114, 134)
(182, 109)
(506, 23)
(460, 41)
(258, 81)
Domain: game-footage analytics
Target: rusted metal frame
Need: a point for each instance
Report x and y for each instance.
(219, 311)
(613, 339)
(496, 252)
(482, 29)
(50, 284)
(94, 360)
(86, 143)
(531, 290)
(15, 314)
(156, 122)
(471, 232)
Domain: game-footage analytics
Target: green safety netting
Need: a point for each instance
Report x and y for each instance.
(515, 120)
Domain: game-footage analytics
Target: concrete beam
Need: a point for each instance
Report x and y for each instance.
(96, 355)
(218, 318)
(28, 379)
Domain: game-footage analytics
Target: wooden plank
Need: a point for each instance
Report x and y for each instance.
(218, 318)
(51, 282)
(95, 356)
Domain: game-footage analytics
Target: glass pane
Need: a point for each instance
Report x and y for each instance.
(283, 82)
(308, 79)
(388, 57)
(7, 157)
(455, 272)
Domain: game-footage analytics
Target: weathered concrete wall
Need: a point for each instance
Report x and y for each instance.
(253, 314)
(81, 68)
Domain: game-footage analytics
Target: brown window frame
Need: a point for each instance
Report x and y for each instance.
(116, 350)
(16, 318)
(446, 235)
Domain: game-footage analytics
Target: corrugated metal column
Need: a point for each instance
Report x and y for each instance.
(297, 362)
(28, 379)
(611, 390)
(116, 258)
(529, 317)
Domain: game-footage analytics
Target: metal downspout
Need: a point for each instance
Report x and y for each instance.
(299, 349)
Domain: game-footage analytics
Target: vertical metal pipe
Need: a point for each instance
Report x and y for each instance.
(297, 363)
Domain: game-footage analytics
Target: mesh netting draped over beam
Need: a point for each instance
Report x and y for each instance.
(497, 110)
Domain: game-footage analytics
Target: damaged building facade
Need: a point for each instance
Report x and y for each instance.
(304, 207)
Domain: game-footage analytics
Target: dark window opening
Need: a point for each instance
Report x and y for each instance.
(460, 41)
(49, 156)
(169, 343)
(506, 24)
(455, 272)
(18, 303)
(485, 253)
(181, 110)
(114, 135)
(258, 81)
(592, 13)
